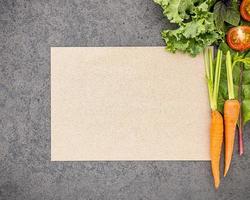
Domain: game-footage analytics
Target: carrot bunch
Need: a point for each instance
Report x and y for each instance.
(231, 113)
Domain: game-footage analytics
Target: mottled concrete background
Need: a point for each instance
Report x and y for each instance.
(28, 28)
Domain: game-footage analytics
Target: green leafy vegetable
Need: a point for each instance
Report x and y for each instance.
(225, 15)
(246, 91)
(232, 16)
(191, 36)
(219, 15)
(176, 10)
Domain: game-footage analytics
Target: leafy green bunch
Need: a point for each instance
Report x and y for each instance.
(196, 28)
(226, 15)
(200, 23)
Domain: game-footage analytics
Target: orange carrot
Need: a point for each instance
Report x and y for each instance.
(231, 114)
(216, 140)
(216, 126)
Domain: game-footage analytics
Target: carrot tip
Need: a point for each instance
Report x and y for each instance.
(217, 186)
(226, 169)
(225, 173)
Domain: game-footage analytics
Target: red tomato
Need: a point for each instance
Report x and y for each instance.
(245, 10)
(238, 38)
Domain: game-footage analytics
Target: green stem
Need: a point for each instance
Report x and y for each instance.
(209, 76)
(230, 85)
(240, 122)
(243, 60)
(217, 78)
(213, 80)
(206, 60)
(210, 57)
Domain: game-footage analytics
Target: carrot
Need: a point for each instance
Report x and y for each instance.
(216, 140)
(231, 115)
(216, 126)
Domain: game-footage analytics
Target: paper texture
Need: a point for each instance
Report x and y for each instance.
(127, 103)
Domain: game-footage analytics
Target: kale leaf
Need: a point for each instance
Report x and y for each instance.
(196, 29)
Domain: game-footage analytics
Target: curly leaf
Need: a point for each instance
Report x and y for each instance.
(192, 37)
(176, 10)
(196, 29)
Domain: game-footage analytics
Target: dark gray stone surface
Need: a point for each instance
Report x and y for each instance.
(28, 28)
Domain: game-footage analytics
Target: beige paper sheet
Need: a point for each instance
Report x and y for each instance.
(127, 103)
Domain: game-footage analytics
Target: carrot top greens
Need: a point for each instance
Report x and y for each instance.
(213, 75)
(230, 84)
